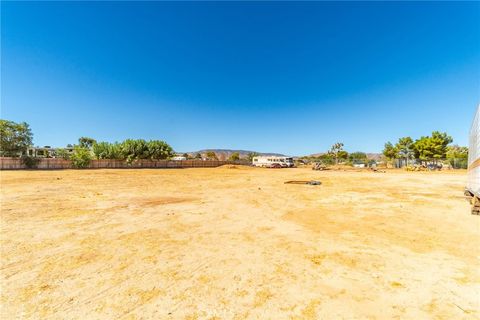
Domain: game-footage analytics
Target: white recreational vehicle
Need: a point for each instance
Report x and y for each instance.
(473, 183)
(272, 162)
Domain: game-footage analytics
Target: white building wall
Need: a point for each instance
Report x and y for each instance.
(473, 183)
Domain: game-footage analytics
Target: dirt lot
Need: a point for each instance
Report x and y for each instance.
(237, 243)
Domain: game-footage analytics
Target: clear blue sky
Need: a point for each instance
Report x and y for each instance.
(273, 77)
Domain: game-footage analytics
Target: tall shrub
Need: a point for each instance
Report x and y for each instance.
(81, 157)
(132, 150)
(234, 156)
(30, 162)
(106, 150)
(159, 150)
(62, 153)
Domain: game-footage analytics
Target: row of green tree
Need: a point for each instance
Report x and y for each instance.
(431, 148)
(128, 150)
(16, 138)
(336, 154)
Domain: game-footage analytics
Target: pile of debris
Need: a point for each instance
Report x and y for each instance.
(310, 182)
(416, 168)
(319, 166)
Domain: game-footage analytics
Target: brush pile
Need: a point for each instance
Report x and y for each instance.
(319, 166)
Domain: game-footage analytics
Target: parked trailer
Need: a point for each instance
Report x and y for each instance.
(473, 182)
(272, 162)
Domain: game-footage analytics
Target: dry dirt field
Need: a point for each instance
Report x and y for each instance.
(237, 243)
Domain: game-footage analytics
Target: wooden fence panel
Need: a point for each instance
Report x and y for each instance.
(8, 163)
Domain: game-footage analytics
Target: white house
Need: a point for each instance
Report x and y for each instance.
(46, 151)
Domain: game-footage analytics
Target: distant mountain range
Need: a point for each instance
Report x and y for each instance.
(223, 154)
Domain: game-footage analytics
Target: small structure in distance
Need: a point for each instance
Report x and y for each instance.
(273, 162)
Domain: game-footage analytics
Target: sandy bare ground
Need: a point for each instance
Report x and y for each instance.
(228, 243)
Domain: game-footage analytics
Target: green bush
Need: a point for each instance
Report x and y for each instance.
(106, 150)
(326, 159)
(159, 150)
(81, 157)
(30, 162)
(132, 150)
(458, 163)
(234, 156)
(62, 153)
